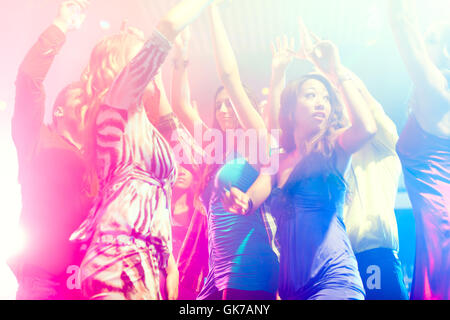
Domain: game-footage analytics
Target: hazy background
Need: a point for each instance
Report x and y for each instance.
(358, 27)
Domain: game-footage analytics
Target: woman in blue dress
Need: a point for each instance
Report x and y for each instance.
(316, 258)
(317, 261)
(242, 261)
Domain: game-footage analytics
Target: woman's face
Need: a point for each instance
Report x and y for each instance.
(313, 107)
(225, 115)
(184, 179)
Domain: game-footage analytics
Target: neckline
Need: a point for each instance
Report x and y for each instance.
(291, 175)
(294, 174)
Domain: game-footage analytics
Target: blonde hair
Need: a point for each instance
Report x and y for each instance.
(83, 98)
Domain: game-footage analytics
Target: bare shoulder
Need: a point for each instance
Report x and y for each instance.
(343, 158)
(287, 164)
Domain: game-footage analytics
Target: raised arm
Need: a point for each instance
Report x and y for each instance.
(181, 94)
(180, 16)
(363, 126)
(29, 107)
(325, 56)
(129, 86)
(173, 130)
(282, 56)
(411, 44)
(386, 129)
(229, 74)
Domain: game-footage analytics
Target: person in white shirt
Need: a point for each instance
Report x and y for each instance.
(369, 211)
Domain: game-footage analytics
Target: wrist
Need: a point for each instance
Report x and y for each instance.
(279, 71)
(250, 206)
(278, 76)
(180, 63)
(338, 75)
(180, 54)
(61, 24)
(343, 76)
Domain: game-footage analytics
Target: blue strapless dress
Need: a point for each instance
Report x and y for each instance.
(240, 253)
(317, 261)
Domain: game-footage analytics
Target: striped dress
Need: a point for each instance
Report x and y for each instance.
(128, 231)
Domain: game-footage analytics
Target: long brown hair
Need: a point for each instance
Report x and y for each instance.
(210, 170)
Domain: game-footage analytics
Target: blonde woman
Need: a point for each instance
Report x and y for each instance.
(128, 232)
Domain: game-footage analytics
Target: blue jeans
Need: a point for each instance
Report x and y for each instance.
(382, 275)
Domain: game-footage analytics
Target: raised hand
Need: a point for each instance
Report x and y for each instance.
(322, 53)
(71, 15)
(125, 28)
(326, 58)
(282, 53)
(306, 42)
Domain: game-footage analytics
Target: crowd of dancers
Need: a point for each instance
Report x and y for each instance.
(118, 186)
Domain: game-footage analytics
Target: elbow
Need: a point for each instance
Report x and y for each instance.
(225, 75)
(369, 131)
(229, 77)
(365, 130)
(228, 72)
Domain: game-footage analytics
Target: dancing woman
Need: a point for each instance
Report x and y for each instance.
(128, 232)
(242, 262)
(424, 147)
(317, 261)
(368, 210)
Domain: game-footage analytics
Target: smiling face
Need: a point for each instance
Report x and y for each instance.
(313, 108)
(224, 112)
